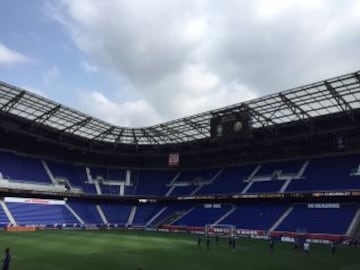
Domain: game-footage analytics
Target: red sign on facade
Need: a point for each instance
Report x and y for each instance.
(174, 159)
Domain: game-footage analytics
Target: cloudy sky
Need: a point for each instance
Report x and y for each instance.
(140, 62)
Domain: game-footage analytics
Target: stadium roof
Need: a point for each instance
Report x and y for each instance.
(340, 94)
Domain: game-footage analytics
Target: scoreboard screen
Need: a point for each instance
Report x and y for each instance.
(230, 126)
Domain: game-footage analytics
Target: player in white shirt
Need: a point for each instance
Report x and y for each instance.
(306, 247)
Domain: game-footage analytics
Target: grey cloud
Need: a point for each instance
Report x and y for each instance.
(184, 57)
(141, 41)
(295, 47)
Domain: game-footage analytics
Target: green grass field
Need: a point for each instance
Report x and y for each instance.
(159, 251)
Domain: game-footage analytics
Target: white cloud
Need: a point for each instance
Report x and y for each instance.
(50, 75)
(194, 89)
(9, 56)
(134, 113)
(36, 91)
(91, 68)
(182, 57)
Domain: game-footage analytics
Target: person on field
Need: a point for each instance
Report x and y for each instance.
(271, 245)
(230, 241)
(306, 248)
(6, 260)
(296, 245)
(207, 244)
(333, 248)
(199, 241)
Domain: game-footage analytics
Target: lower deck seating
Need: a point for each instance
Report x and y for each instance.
(86, 211)
(200, 216)
(3, 218)
(319, 220)
(255, 217)
(116, 213)
(302, 217)
(144, 213)
(169, 213)
(45, 214)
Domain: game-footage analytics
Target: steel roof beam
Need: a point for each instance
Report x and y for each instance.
(159, 135)
(148, 135)
(170, 137)
(357, 76)
(345, 107)
(190, 128)
(104, 133)
(134, 137)
(297, 110)
(167, 137)
(174, 133)
(78, 125)
(118, 138)
(195, 126)
(10, 104)
(227, 110)
(46, 115)
(257, 115)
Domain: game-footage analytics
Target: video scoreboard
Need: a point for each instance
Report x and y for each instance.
(234, 125)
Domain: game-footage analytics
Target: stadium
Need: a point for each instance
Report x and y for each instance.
(80, 193)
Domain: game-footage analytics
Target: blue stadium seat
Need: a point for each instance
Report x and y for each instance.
(319, 220)
(45, 214)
